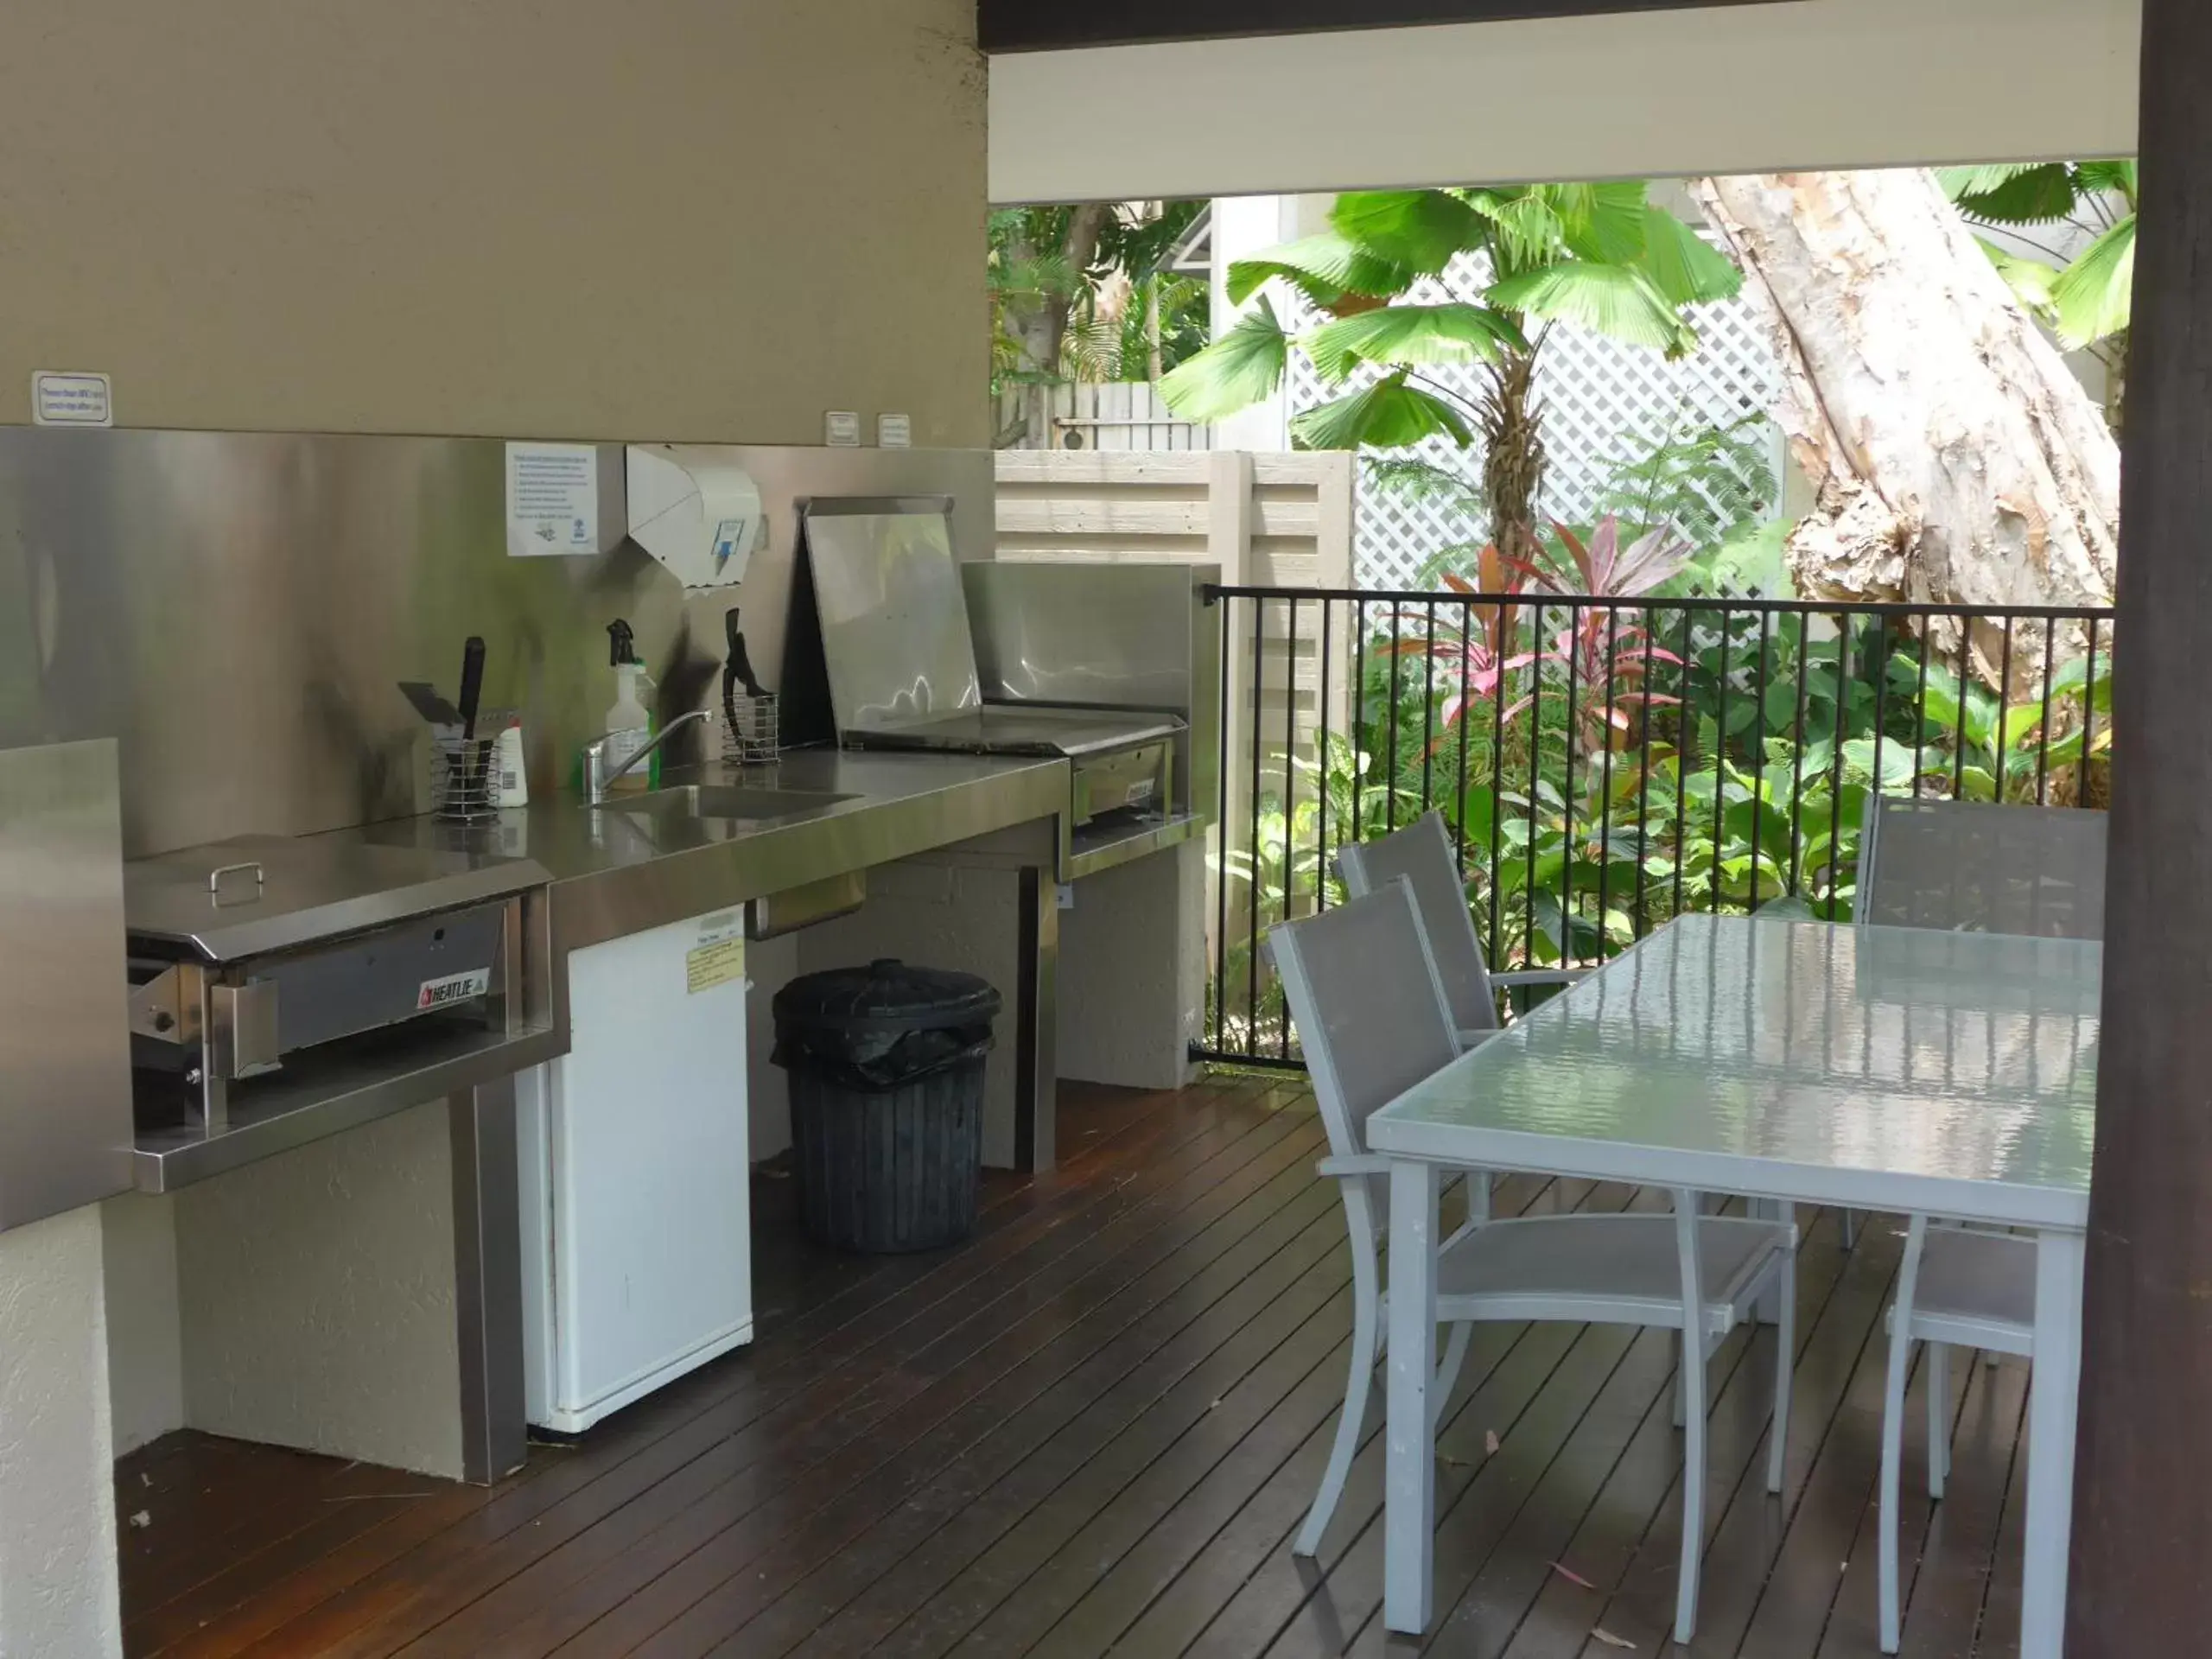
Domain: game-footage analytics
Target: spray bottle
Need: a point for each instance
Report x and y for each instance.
(629, 723)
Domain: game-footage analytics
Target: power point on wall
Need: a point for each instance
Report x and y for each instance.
(894, 432)
(1067, 895)
(841, 429)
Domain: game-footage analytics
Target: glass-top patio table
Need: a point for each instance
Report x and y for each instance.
(1881, 1069)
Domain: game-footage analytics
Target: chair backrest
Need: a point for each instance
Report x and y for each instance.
(1368, 1006)
(1978, 867)
(1421, 853)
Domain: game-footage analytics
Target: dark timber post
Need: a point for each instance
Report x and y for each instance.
(2142, 1575)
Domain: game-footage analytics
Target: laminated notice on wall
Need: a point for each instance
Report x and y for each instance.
(62, 397)
(552, 499)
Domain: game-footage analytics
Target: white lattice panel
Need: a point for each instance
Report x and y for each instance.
(1603, 402)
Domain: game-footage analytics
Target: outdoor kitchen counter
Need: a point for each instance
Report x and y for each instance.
(630, 866)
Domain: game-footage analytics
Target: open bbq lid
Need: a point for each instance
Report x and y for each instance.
(894, 618)
(254, 894)
(901, 659)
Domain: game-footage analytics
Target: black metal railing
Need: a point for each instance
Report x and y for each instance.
(1604, 764)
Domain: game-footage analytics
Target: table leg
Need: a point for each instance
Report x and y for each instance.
(1409, 1481)
(2052, 1399)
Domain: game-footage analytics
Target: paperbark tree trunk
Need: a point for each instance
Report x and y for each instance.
(1041, 329)
(1954, 456)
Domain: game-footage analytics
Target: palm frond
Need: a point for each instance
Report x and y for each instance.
(2014, 194)
(1389, 415)
(1525, 230)
(1603, 222)
(1324, 268)
(2094, 296)
(1035, 277)
(2114, 177)
(1682, 265)
(1411, 479)
(2029, 278)
(1239, 370)
(1617, 301)
(1420, 231)
(1411, 335)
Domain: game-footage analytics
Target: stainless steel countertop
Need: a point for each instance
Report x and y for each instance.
(340, 1087)
(618, 870)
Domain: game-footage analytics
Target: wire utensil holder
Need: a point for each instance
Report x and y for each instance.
(749, 732)
(465, 772)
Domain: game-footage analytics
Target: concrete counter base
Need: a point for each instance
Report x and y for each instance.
(1133, 971)
(332, 1298)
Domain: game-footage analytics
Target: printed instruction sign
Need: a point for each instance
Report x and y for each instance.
(552, 500)
(71, 398)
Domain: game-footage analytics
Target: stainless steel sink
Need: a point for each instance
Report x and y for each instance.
(727, 801)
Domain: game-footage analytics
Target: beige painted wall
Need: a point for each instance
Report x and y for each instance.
(1820, 83)
(58, 1592)
(665, 219)
(145, 1362)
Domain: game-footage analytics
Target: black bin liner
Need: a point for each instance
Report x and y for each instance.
(887, 1084)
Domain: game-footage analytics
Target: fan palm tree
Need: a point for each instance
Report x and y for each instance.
(2085, 298)
(1600, 257)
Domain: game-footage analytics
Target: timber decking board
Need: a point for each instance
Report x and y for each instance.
(1093, 1428)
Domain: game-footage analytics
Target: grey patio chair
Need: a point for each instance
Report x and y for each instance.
(1421, 853)
(1961, 1287)
(1371, 1012)
(1978, 867)
(1790, 907)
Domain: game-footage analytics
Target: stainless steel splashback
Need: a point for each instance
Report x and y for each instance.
(1136, 635)
(236, 609)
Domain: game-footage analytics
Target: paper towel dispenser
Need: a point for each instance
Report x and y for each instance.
(694, 509)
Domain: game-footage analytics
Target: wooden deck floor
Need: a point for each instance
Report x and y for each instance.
(1093, 1428)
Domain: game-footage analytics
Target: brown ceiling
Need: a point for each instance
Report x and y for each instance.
(1029, 25)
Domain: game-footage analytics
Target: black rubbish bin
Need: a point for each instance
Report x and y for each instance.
(886, 1065)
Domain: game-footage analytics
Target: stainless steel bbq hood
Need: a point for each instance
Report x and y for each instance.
(254, 894)
(902, 667)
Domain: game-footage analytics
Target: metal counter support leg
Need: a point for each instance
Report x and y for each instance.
(487, 1270)
(1037, 1022)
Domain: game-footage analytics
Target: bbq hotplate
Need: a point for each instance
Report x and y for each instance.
(1009, 729)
